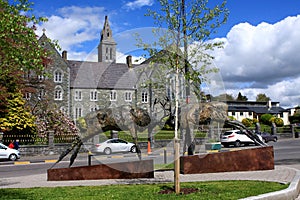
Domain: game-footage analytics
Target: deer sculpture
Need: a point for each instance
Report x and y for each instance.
(192, 116)
(137, 119)
(127, 118)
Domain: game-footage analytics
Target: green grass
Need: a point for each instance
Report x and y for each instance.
(169, 166)
(206, 190)
(143, 136)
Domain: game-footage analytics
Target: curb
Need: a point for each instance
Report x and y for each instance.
(291, 192)
(25, 162)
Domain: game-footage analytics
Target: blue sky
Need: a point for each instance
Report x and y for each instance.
(261, 40)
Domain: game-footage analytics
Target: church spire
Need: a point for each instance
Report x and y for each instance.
(107, 45)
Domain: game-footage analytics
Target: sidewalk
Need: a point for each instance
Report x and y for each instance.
(281, 173)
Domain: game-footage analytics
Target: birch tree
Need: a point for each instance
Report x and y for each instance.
(183, 48)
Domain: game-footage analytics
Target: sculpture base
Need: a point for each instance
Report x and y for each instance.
(123, 170)
(261, 158)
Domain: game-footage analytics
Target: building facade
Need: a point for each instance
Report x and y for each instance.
(79, 87)
(253, 110)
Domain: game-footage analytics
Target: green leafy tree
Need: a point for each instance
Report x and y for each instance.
(262, 98)
(278, 121)
(18, 119)
(294, 118)
(247, 122)
(20, 53)
(224, 97)
(265, 119)
(182, 47)
(240, 97)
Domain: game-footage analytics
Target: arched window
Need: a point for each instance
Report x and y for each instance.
(78, 111)
(58, 93)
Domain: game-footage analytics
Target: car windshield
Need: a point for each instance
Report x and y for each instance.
(228, 133)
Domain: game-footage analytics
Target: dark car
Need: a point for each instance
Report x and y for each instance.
(268, 137)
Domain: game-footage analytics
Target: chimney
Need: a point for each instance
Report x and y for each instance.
(129, 61)
(65, 55)
(269, 105)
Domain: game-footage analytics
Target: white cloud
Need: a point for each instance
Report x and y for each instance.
(133, 5)
(262, 59)
(73, 26)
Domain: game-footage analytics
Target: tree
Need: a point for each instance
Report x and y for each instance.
(240, 97)
(262, 98)
(224, 97)
(20, 54)
(265, 119)
(18, 119)
(183, 33)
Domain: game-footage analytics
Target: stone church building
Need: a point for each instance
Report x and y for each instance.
(79, 87)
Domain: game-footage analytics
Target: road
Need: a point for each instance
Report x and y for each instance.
(286, 152)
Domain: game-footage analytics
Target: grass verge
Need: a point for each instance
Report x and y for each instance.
(205, 190)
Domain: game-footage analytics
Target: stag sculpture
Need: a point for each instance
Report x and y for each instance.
(137, 119)
(192, 116)
(127, 118)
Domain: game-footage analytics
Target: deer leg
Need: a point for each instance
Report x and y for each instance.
(133, 132)
(190, 141)
(183, 135)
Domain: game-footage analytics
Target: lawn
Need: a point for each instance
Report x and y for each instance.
(204, 190)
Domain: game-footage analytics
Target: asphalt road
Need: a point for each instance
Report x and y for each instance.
(286, 152)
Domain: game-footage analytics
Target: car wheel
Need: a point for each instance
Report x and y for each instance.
(12, 157)
(133, 149)
(275, 139)
(226, 145)
(237, 143)
(107, 151)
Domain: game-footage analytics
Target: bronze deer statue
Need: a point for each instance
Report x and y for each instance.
(130, 118)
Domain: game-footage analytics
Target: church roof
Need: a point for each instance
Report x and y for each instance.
(100, 75)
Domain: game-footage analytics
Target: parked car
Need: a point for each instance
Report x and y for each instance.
(268, 137)
(8, 153)
(236, 138)
(115, 145)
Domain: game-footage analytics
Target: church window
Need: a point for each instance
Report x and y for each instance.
(78, 95)
(41, 94)
(144, 97)
(93, 96)
(58, 75)
(110, 54)
(78, 112)
(58, 93)
(128, 96)
(113, 95)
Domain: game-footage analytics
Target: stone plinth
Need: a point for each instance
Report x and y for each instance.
(122, 170)
(261, 158)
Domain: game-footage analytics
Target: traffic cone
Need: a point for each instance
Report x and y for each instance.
(149, 148)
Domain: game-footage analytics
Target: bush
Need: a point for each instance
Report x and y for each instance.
(265, 119)
(247, 122)
(295, 118)
(278, 122)
(231, 118)
(254, 121)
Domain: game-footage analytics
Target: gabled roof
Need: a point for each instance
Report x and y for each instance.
(100, 75)
(258, 109)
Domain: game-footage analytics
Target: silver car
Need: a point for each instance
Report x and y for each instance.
(115, 145)
(8, 153)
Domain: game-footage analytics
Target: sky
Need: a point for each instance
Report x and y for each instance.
(261, 40)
